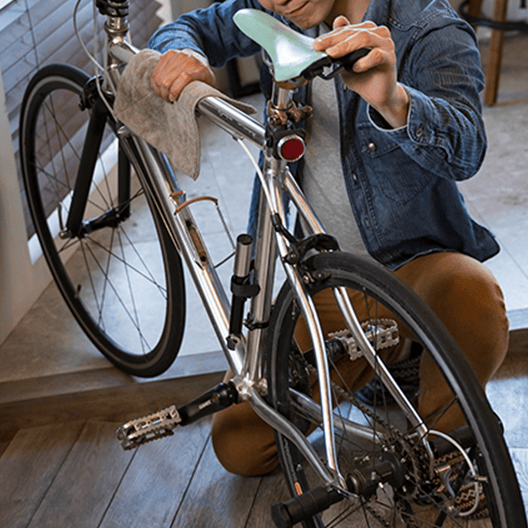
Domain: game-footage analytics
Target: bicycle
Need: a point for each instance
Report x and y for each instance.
(342, 457)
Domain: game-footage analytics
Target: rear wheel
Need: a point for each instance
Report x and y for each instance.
(426, 480)
(119, 273)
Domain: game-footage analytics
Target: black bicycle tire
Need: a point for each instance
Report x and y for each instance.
(161, 356)
(379, 282)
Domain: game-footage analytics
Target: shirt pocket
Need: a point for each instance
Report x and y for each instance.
(390, 171)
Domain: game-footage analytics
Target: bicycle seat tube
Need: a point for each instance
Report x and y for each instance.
(282, 111)
(265, 247)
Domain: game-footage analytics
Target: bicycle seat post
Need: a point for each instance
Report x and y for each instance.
(118, 49)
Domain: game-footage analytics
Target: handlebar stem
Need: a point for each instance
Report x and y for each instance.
(113, 8)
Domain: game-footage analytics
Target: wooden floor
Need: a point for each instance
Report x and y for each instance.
(76, 475)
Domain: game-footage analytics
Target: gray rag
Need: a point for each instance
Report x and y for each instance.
(170, 128)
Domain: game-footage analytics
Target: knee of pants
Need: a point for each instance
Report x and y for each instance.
(469, 301)
(243, 443)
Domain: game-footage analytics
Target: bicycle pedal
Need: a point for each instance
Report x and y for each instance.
(382, 334)
(148, 428)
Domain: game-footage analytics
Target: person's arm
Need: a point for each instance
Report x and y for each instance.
(444, 79)
(195, 40)
(374, 77)
(429, 104)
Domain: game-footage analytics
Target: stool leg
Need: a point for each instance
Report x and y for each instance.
(495, 54)
(475, 9)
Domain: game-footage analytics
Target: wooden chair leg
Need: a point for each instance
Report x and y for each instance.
(475, 9)
(495, 54)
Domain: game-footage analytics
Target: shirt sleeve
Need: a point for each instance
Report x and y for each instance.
(210, 32)
(445, 130)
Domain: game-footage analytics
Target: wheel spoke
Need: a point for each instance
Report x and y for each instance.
(108, 283)
(147, 275)
(114, 272)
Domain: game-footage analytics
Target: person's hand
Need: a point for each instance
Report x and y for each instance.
(175, 70)
(374, 77)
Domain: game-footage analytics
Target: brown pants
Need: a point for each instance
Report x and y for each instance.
(464, 295)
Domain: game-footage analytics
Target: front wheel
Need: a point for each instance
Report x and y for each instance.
(119, 272)
(397, 474)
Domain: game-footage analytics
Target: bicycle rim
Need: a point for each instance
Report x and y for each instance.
(123, 280)
(420, 498)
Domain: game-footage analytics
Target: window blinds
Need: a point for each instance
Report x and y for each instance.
(34, 33)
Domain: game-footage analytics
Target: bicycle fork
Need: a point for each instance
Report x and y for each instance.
(100, 116)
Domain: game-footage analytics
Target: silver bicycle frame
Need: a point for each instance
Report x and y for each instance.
(245, 359)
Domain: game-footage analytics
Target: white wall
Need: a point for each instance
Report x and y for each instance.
(21, 282)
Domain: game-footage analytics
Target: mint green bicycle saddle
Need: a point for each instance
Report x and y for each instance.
(290, 52)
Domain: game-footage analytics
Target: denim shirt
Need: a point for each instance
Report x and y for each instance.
(401, 182)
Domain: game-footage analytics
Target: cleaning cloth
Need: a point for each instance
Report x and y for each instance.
(170, 128)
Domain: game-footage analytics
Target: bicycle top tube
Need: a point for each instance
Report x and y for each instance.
(291, 53)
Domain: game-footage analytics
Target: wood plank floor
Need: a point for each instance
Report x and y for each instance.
(76, 475)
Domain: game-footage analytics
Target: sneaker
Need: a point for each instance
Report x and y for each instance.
(467, 494)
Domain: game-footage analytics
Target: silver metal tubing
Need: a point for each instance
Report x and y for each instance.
(119, 48)
(260, 307)
(309, 313)
(233, 120)
(281, 98)
(181, 227)
(354, 430)
(118, 54)
(287, 429)
(224, 115)
(379, 366)
(303, 207)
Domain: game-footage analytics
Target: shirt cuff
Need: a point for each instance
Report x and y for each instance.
(379, 122)
(193, 53)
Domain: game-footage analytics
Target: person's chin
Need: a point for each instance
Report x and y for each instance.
(303, 17)
(304, 23)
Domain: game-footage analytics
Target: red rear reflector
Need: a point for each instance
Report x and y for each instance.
(291, 148)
